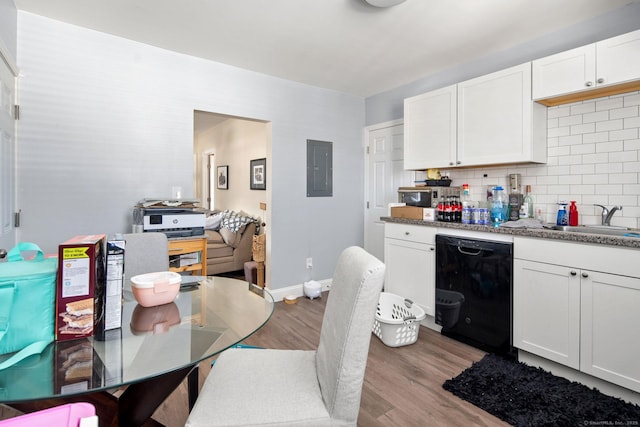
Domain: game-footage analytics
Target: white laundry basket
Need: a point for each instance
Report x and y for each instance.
(397, 320)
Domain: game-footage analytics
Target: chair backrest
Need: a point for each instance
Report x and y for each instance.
(144, 253)
(346, 331)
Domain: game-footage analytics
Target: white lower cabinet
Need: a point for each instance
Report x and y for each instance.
(581, 313)
(409, 255)
(546, 306)
(610, 328)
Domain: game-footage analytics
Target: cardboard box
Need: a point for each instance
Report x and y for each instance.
(108, 313)
(413, 212)
(81, 274)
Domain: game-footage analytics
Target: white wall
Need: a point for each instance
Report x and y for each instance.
(106, 122)
(234, 143)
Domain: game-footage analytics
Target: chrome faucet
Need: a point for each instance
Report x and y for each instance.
(608, 213)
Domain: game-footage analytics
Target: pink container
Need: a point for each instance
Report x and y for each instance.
(151, 289)
(68, 415)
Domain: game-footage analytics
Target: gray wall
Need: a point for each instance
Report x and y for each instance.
(107, 121)
(388, 105)
(8, 30)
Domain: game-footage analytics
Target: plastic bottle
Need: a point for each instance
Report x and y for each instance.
(466, 205)
(528, 202)
(573, 214)
(441, 209)
(563, 217)
(499, 206)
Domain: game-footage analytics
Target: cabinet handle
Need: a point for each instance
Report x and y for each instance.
(458, 162)
(432, 248)
(573, 273)
(585, 275)
(588, 84)
(600, 80)
(450, 163)
(406, 233)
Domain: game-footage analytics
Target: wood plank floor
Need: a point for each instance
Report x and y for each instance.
(402, 387)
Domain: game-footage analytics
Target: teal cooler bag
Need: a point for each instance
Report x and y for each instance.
(27, 303)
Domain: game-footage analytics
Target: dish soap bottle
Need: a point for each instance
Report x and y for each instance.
(573, 214)
(563, 218)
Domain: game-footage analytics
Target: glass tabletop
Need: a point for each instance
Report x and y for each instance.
(205, 318)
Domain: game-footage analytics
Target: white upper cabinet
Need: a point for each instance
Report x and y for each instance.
(598, 65)
(497, 122)
(430, 129)
(484, 121)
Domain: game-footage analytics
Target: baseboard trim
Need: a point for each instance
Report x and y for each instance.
(296, 290)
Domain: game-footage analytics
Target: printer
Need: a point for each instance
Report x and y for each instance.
(171, 217)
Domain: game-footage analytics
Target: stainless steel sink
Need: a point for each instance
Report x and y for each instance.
(609, 230)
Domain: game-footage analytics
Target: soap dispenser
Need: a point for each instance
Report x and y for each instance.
(563, 217)
(573, 214)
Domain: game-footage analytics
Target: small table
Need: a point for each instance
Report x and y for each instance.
(151, 354)
(179, 246)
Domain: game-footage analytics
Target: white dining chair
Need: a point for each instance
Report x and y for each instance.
(144, 253)
(264, 387)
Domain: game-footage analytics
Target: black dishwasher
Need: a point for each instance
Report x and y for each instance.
(474, 292)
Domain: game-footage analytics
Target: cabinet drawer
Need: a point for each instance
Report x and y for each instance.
(412, 233)
(177, 247)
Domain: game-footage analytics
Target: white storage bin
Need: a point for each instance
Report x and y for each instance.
(397, 320)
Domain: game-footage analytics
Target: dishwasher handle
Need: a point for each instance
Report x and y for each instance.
(474, 252)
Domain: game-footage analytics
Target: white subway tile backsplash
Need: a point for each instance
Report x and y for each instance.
(566, 130)
(581, 169)
(609, 103)
(570, 139)
(583, 128)
(609, 168)
(609, 125)
(598, 116)
(621, 113)
(582, 108)
(601, 178)
(633, 166)
(561, 111)
(596, 158)
(623, 178)
(583, 148)
(606, 147)
(593, 156)
(608, 189)
(631, 133)
(632, 122)
(570, 120)
(632, 99)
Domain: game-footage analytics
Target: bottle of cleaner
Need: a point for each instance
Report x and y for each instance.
(563, 217)
(573, 214)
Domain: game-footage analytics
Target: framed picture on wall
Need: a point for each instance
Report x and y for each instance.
(222, 178)
(258, 170)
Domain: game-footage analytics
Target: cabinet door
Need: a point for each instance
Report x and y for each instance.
(618, 59)
(610, 340)
(565, 72)
(546, 311)
(494, 118)
(410, 272)
(430, 129)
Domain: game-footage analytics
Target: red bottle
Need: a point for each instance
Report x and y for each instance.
(573, 214)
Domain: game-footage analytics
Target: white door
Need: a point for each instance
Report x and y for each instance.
(385, 174)
(7, 155)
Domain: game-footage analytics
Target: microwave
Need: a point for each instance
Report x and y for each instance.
(425, 197)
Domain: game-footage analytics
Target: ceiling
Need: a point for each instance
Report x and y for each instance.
(345, 45)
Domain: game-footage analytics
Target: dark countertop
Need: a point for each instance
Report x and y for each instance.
(541, 233)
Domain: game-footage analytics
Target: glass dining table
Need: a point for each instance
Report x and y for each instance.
(151, 354)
